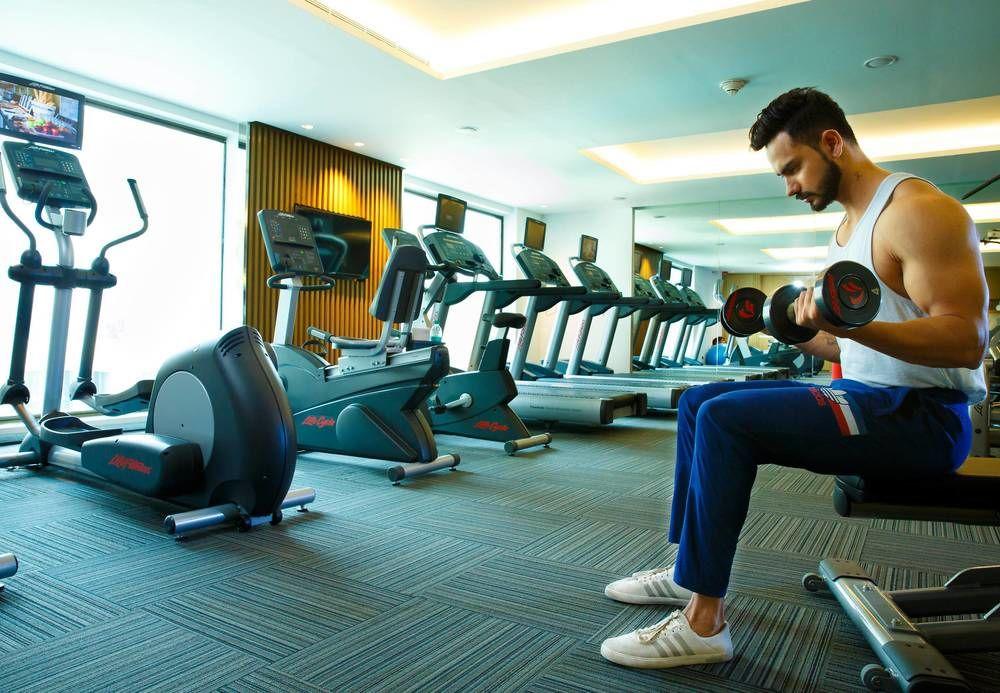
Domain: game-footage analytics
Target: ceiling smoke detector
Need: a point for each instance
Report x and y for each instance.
(732, 86)
(881, 61)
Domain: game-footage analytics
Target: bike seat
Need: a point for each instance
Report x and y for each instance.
(508, 320)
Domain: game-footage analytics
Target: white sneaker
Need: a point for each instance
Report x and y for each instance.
(669, 643)
(655, 586)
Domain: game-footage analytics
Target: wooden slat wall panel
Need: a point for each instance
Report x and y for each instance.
(285, 168)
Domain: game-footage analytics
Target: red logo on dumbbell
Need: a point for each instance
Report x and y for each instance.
(747, 310)
(855, 292)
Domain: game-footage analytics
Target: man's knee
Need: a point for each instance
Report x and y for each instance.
(692, 399)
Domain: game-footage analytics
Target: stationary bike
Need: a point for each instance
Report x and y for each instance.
(218, 439)
(473, 403)
(367, 405)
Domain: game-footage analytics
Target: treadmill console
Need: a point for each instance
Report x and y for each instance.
(667, 291)
(460, 254)
(290, 244)
(692, 297)
(537, 265)
(642, 288)
(594, 278)
(35, 166)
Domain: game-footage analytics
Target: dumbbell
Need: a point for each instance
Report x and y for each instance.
(846, 293)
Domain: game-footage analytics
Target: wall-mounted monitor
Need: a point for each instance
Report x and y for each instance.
(450, 214)
(534, 233)
(687, 274)
(344, 242)
(40, 113)
(666, 266)
(588, 248)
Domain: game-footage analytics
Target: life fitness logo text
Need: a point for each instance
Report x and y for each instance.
(490, 426)
(319, 421)
(122, 462)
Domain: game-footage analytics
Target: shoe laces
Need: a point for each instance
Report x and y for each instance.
(671, 624)
(646, 575)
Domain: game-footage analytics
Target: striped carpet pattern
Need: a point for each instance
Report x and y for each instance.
(487, 578)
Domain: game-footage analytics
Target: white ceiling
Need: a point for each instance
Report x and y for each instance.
(270, 61)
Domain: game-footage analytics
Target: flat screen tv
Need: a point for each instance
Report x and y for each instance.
(534, 234)
(344, 242)
(687, 274)
(588, 248)
(40, 113)
(450, 214)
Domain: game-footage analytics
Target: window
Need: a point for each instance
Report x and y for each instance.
(486, 231)
(169, 290)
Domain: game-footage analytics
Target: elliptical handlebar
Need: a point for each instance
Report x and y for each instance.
(32, 245)
(140, 208)
(276, 281)
(43, 202)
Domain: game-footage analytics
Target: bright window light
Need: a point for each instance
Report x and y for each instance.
(168, 298)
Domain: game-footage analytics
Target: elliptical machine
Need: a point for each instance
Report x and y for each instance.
(8, 566)
(218, 436)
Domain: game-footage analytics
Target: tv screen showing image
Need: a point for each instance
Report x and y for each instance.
(588, 248)
(40, 113)
(450, 214)
(344, 242)
(534, 234)
(686, 276)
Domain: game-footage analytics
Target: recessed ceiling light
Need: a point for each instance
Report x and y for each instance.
(468, 129)
(307, 126)
(359, 144)
(544, 206)
(881, 61)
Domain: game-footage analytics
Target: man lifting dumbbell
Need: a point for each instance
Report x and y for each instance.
(909, 374)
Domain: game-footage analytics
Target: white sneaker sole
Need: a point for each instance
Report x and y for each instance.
(643, 598)
(662, 662)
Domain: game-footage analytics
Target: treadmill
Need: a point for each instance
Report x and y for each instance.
(661, 394)
(655, 310)
(456, 255)
(696, 313)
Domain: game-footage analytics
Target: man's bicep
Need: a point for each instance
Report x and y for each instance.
(941, 263)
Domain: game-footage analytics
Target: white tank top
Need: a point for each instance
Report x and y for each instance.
(874, 368)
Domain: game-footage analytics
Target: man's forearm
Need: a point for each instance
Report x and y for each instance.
(823, 345)
(943, 341)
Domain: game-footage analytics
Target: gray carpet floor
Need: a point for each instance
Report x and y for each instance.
(486, 578)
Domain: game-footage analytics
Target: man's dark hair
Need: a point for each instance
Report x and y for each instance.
(804, 113)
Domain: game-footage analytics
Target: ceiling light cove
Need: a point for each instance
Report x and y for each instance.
(815, 252)
(981, 213)
(944, 129)
(449, 39)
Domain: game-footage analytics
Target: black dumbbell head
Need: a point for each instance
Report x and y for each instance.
(779, 318)
(848, 294)
(743, 312)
